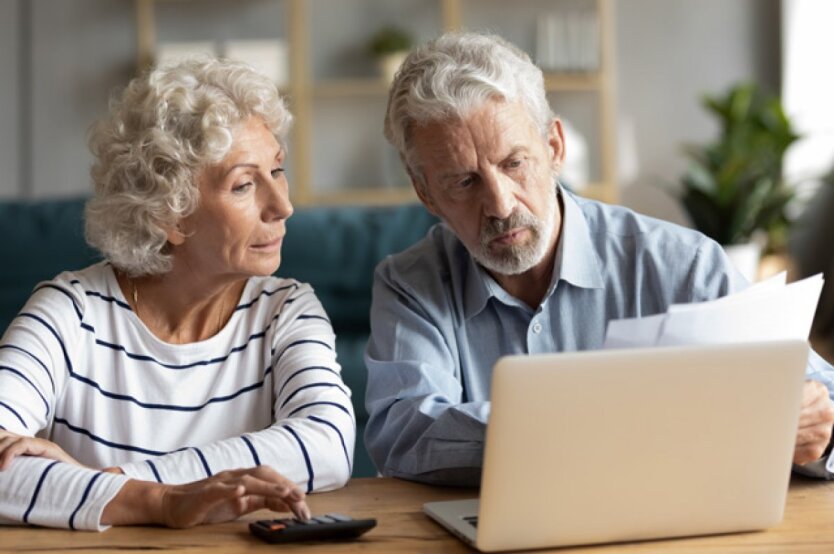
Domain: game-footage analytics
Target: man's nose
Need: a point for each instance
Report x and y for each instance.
(499, 199)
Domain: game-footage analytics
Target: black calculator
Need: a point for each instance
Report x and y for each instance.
(319, 528)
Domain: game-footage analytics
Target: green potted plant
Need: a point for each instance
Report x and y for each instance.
(390, 45)
(733, 189)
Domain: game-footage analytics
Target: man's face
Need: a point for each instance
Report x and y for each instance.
(490, 177)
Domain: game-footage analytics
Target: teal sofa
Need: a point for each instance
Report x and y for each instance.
(335, 249)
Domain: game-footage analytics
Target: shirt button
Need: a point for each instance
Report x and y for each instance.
(537, 328)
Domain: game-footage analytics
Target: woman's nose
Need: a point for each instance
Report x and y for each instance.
(278, 205)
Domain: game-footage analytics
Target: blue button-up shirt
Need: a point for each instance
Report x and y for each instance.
(439, 322)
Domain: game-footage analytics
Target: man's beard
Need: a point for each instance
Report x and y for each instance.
(517, 258)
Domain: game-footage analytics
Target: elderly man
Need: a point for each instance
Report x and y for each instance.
(519, 265)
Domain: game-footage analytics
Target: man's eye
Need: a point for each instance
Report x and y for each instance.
(276, 172)
(514, 164)
(466, 182)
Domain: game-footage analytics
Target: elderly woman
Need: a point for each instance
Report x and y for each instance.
(177, 382)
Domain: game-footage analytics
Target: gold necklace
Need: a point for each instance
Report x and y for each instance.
(220, 317)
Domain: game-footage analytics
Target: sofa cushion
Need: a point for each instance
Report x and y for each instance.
(337, 249)
(41, 239)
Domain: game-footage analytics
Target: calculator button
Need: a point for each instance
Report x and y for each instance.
(322, 519)
(339, 517)
(288, 522)
(275, 526)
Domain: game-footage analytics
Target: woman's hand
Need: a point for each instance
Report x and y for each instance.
(12, 446)
(223, 497)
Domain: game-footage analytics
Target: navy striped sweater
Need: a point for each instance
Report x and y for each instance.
(77, 366)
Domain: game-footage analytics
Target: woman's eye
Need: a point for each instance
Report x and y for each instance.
(240, 189)
(514, 164)
(276, 172)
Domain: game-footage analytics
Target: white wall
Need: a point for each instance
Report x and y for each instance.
(10, 152)
(808, 86)
(81, 50)
(669, 52)
(808, 90)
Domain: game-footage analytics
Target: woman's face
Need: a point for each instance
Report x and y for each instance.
(239, 225)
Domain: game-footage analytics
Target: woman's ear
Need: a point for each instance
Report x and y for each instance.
(176, 236)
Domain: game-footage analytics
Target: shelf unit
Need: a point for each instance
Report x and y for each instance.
(305, 94)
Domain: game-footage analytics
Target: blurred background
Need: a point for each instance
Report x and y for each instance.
(660, 97)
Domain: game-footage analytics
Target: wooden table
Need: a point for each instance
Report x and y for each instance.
(402, 527)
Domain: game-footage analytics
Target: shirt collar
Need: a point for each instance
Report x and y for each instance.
(476, 291)
(576, 262)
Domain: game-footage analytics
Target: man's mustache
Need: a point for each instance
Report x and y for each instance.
(495, 227)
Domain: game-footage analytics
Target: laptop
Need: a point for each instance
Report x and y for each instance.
(625, 445)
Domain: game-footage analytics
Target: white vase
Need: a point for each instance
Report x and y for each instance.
(745, 258)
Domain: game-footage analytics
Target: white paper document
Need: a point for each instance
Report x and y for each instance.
(767, 311)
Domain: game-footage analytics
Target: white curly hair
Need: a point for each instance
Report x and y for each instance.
(166, 126)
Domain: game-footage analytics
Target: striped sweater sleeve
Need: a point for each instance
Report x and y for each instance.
(38, 491)
(312, 435)
(34, 367)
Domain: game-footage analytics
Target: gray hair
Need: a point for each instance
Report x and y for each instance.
(167, 126)
(454, 74)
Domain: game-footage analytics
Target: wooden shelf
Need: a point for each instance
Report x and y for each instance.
(338, 88)
(308, 96)
(573, 81)
(598, 191)
(366, 195)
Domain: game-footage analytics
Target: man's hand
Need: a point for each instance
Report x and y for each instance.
(816, 418)
(12, 446)
(222, 497)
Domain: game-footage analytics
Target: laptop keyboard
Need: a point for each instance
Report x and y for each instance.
(471, 520)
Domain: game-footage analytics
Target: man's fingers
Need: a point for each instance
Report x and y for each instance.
(817, 407)
(816, 418)
(813, 434)
(811, 442)
(812, 392)
(820, 412)
(807, 454)
(809, 393)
